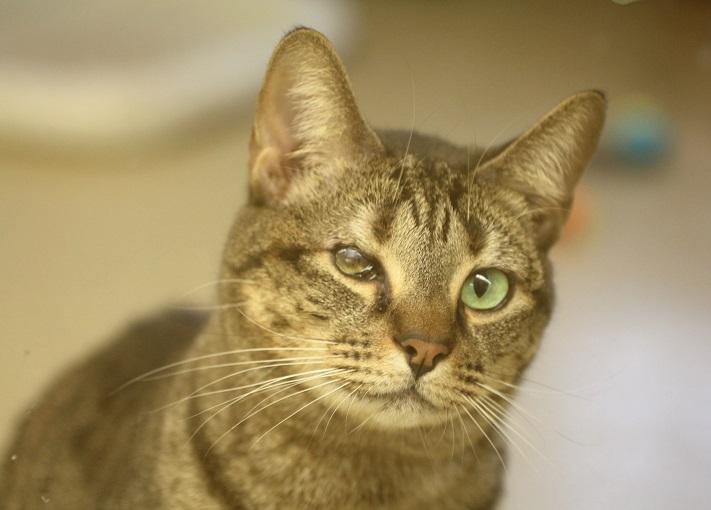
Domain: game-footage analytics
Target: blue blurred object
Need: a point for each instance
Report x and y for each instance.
(639, 133)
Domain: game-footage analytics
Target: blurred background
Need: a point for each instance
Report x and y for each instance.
(123, 143)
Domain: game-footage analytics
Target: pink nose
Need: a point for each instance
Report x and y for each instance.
(423, 355)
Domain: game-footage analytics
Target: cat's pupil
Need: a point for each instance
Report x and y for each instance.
(481, 284)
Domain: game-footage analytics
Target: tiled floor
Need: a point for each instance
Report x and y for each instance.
(91, 239)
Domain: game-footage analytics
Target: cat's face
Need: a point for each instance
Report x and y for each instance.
(421, 283)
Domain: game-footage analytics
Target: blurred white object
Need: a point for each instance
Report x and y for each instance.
(94, 73)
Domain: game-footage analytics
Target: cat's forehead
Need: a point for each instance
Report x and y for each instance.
(416, 177)
(429, 216)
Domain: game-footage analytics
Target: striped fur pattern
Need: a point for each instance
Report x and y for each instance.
(295, 392)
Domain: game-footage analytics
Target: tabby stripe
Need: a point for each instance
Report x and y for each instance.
(446, 224)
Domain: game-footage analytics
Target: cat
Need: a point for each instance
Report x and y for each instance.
(380, 295)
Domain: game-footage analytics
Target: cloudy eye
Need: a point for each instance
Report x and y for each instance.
(352, 262)
(485, 289)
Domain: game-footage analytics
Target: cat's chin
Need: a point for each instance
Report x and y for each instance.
(399, 410)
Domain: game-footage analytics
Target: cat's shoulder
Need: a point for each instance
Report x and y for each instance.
(147, 343)
(81, 428)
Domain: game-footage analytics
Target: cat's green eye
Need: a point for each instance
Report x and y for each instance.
(485, 289)
(352, 262)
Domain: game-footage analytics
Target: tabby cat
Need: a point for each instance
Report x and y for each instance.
(380, 295)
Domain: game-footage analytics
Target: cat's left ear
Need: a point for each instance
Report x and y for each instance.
(545, 163)
(306, 121)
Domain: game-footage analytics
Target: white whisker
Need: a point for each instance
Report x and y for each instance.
(409, 140)
(207, 308)
(325, 412)
(496, 424)
(451, 422)
(469, 184)
(493, 141)
(362, 424)
(339, 405)
(266, 385)
(291, 395)
(509, 401)
(283, 335)
(496, 450)
(502, 418)
(229, 403)
(466, 432)
(299, 410)
(209, 356)
(197, 393)
(237, 364)
(216, 282)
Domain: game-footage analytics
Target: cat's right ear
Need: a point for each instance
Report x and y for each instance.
(306, 118)
(545, 163)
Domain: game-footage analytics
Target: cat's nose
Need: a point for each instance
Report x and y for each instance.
(422, 353)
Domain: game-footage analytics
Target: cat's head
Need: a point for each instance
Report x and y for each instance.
(412, 271)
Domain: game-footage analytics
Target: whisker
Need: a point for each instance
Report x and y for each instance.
(215, 282)
(409, 140)
(425, 444)
(329, 408)
(207, 308)
(283, 335)
(505, 412)
(362, 424)
(226, 405)
(444, 428)
(267, 385)
(299, 410)
(197, 393)
(466, 432)
(484, 413)
(291, 395)
(501, 416)
(537, 210)
(239, 372)
(237, 364)
(528, 416)
(209, 356)
(496, 450)
(469, 184)
(339, 405)
(493, 141)
(350, 404)
(368, 391)
(548, 389)
(510, 401)
(280, 388)
(451, 422)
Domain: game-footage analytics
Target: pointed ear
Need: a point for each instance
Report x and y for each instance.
(545, 163)
(306, 116)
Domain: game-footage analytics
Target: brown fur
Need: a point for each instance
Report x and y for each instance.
(367, 434)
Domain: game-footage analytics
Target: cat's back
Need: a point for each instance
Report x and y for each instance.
(70, 444)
